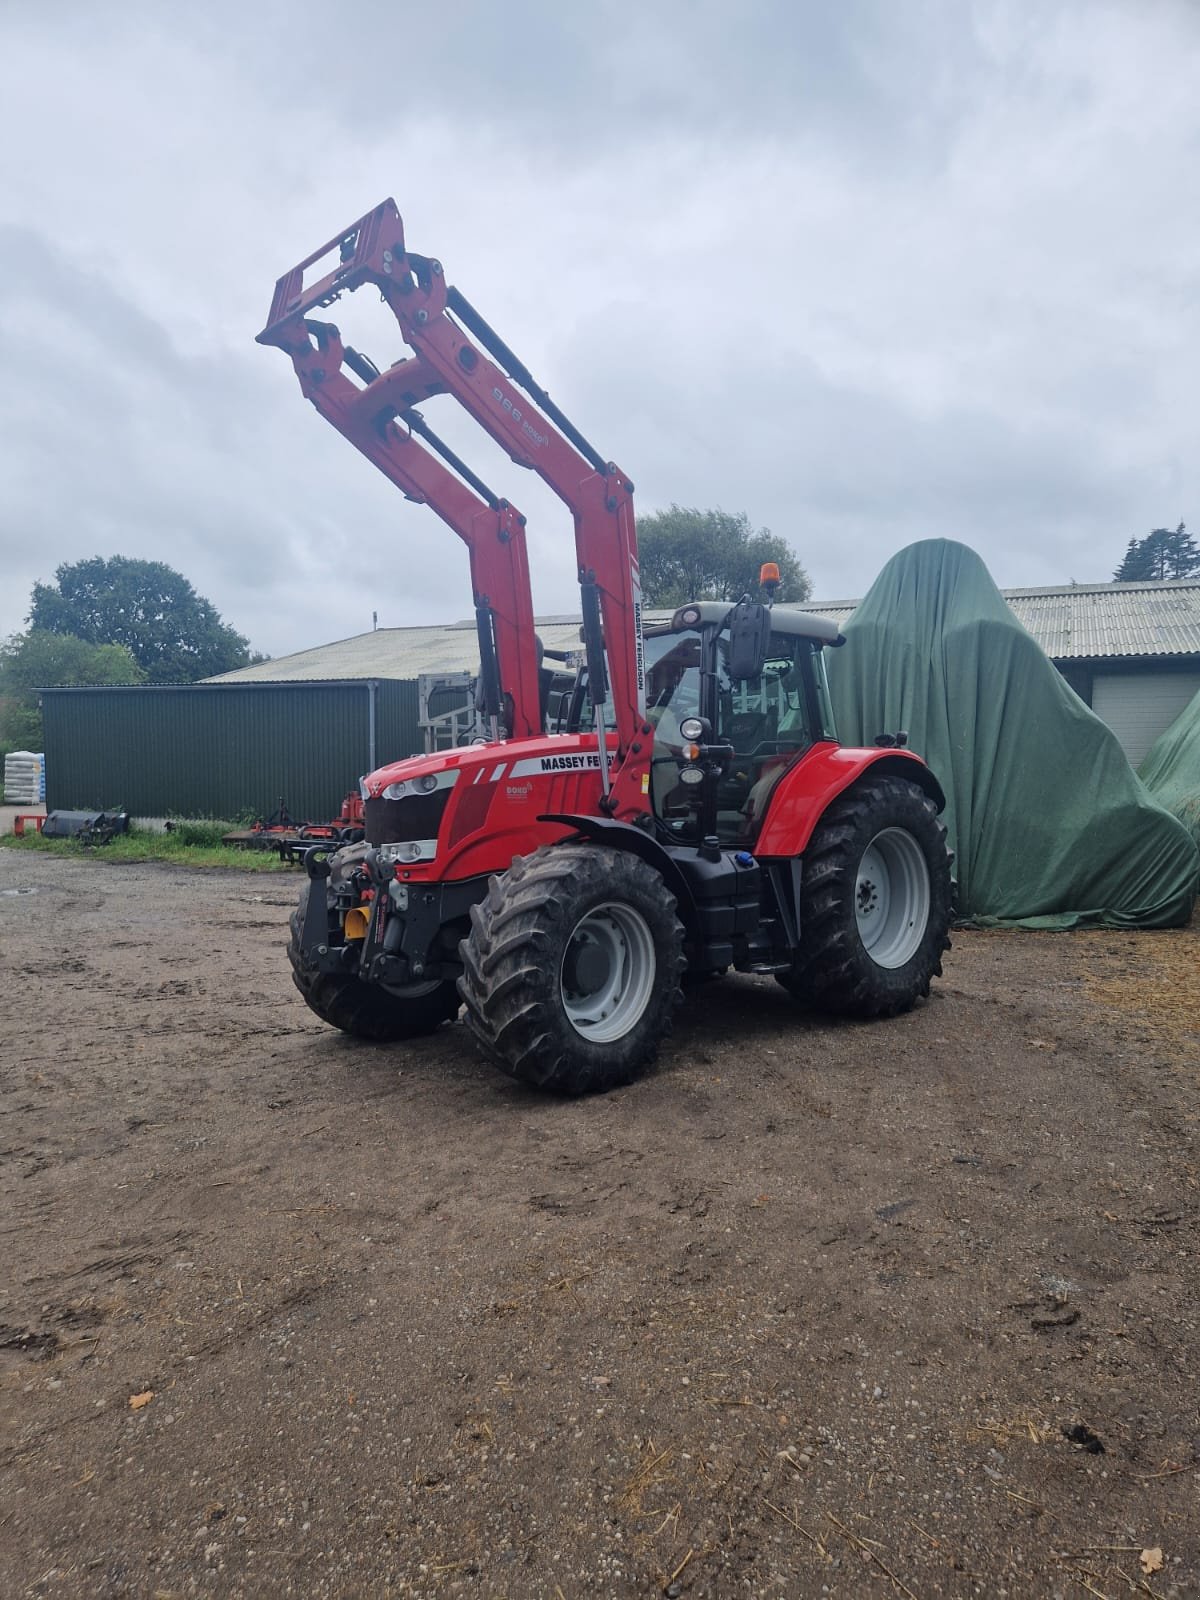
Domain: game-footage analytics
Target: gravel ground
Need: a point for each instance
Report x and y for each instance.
(899, 1309)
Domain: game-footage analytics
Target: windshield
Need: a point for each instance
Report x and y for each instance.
(672, 677)
(767, 721)
(771, 710)
(672, 693)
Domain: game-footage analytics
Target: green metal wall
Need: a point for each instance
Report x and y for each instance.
(221, 750)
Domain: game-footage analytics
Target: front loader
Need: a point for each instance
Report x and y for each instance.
(694, 813)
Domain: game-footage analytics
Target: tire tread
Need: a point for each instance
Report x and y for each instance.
(832, 970)
(510, 976)
(365, 1010)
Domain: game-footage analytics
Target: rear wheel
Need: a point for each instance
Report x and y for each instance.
(365, 1009)
(571, 971)
(875, 902)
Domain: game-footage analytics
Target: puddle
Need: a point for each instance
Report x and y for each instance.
(20, 891)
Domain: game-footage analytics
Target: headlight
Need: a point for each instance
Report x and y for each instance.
(692, 729)
(405, 788)
(423, 783)
(406, 851)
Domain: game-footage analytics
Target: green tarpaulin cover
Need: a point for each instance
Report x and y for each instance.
(1171, 771)
(1050, 826)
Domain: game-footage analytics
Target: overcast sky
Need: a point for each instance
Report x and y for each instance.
(870, 272)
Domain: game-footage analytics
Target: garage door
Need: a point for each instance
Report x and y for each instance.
(1138, 706)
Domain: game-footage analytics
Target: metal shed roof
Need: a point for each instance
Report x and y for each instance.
(1112, 619)
(401, 653)
(390, 653)
(1084, 621)
(1095, 621)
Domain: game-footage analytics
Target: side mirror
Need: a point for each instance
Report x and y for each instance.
(749, 639)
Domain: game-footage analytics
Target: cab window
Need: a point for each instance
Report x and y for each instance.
(768, 721)
(672, 694)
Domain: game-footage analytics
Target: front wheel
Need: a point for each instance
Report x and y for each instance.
(365, 1009)
(875, 902)
(572, 968)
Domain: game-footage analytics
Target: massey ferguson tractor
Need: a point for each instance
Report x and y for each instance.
(692, 812)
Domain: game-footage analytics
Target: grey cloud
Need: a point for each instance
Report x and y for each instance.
(849, 477)
(118, 442)
(868, 272)
(566, 81)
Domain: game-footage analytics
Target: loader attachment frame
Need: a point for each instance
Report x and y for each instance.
(456, 352)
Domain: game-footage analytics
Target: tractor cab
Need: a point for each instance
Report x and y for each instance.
(722, 743)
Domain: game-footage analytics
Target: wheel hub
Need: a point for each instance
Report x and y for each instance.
(892, 897)
(607, 973)
(868, 897)
(586, 966)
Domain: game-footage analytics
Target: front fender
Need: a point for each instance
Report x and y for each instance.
(624, 836)
(806, 789)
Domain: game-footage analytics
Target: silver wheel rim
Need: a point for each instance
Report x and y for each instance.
(891, 897)
(607, 972)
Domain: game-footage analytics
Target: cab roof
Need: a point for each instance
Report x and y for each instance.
(712, 613)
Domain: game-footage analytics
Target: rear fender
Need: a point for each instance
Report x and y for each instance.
(806, 790)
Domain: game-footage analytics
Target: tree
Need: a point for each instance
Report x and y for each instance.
(1163, 553)
(37, 660)
(173, 634)
(688, 554)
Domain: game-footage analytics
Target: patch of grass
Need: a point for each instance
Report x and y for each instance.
(1151, 984)
(202, 835)
(189, 844)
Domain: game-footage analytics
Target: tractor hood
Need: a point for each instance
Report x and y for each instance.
(473, 763)
(470, 811)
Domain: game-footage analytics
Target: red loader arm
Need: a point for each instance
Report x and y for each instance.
(377, 415)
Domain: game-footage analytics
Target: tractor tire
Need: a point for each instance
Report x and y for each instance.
(572, 968)
(875, 902)
(367, 1010)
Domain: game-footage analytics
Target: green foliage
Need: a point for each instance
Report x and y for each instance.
(20, 727)
(200, 834)
(689, 554)
(37, 660)
(173, 634)
(1163, 553)
(193, 845)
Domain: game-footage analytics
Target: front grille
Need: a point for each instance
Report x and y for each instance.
(417, 816)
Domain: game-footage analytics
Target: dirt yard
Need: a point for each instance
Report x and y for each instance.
(902, 1309)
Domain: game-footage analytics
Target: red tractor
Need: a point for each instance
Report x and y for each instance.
(692, 812)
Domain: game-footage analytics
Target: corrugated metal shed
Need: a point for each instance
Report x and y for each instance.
(1097, 621)
(1091, 621)
(402, 652)
(1086, 621)
(395, 653)
(222, 750)
(300, 726)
